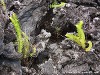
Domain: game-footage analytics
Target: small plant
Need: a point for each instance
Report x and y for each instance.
(55, 4)
(16, 24)
(79, 38)
(22, 38)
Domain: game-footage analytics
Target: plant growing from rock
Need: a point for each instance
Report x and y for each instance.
(22, 38)
(55, 4)
(79, 38)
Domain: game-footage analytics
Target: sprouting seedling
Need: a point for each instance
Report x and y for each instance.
(55, 4)
(22, 38)
(79, 38)
(26, 45)
(15, 22)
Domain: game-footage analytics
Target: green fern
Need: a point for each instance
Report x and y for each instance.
(26, 45)
(80, 33)
(22, 38)
(79, 38)
(16, 24)
(56, 5)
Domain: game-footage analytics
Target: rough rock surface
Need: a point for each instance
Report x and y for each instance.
(46, 28)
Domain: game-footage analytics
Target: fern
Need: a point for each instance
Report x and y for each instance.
(89, 47)
(72, 37)
(56, 5)
(80, 33)
(79, 38)
(16, 24)
(22, 38)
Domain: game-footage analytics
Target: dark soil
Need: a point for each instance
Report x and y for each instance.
(46, 28)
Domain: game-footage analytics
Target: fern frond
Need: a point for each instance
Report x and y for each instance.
(79, 38)
(15, 22)
(73, 38)
(55, 5)
(80, 33)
